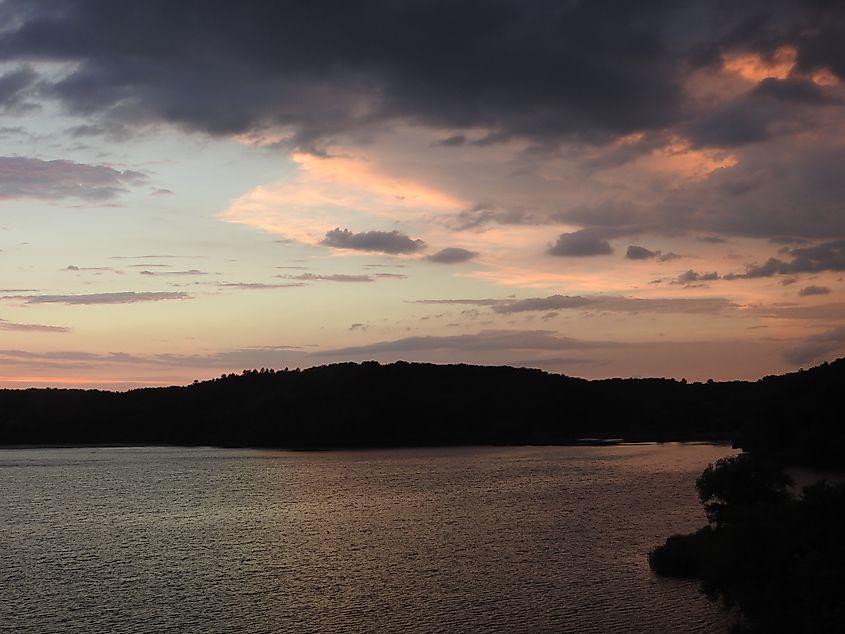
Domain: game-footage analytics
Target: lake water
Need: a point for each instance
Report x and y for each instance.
(516, 539)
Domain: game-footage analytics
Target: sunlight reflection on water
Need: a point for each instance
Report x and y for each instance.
(460, 539)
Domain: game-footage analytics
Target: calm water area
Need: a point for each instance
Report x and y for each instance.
(484, 539)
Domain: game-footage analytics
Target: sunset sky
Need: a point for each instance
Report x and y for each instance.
(595, 188)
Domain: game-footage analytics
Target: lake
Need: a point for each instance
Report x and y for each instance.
(482, 539)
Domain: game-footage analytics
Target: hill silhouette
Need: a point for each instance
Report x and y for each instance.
(413, 404)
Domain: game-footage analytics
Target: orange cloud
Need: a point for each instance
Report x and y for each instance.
(755, 68)
(336, 191)
(680, 159)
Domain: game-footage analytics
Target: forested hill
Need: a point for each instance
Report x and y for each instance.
(402, 403)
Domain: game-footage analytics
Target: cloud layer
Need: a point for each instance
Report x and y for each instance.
(22, 177)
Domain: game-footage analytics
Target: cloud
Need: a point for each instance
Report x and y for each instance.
(10, 325)
(336, 277)
(15, 87)
(451, 255)
(75, 269)
(470, 302)
(543, 70)
(126, 297)
(282, 65)
(814, 290)
(710, 125)
(635, 252)
(615, 303)
(165, 273)
(834, 311)
(482, 341)
(256, 286)
(22, 177)
(691, 277)
(815, 346)
(392, 242)
(74, 356)
(793, 89)
(581, 243)
(828, 256)
(610, 303)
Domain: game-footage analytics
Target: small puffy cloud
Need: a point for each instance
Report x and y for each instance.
(451, 255)
(691, 277)
(77, 269)
(814, 290)
(22, 177)
(815, 346)
(583, 243)
(635, 252)
(393, 242)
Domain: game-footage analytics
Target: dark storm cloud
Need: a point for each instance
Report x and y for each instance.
(540, 69)
(548, 71)
(22, 177)
(533, 69)
(733, 125)
(583, 243)
(815, 346)
(451, 255)
(793, 90)
(383, 241)
(15, 88)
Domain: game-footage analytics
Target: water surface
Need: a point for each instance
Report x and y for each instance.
(516, 539)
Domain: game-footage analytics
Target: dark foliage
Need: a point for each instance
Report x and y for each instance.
(780, 560)
(737, 483)
(369, 404)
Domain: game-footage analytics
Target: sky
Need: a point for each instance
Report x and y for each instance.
(596, 188)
